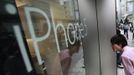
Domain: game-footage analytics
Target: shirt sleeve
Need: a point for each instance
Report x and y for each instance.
(128, 66)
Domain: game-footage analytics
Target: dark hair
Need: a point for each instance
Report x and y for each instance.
(119, 39)
(118, 32)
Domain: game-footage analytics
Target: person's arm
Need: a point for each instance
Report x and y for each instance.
(66, 65)
(128, 66)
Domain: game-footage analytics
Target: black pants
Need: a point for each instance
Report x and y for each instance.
(119, 59)
(126, 32)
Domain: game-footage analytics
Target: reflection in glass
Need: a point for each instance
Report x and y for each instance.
(52, 59)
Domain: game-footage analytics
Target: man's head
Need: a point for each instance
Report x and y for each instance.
(118, 42)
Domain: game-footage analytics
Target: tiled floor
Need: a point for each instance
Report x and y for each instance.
(130, 43)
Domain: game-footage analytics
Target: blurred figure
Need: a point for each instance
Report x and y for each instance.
(121, 24)
(66, 54)
(126, 27)
(118, 30)
(132, 30)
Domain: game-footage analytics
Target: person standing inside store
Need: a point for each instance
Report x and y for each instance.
(119, 43)
(66, 56)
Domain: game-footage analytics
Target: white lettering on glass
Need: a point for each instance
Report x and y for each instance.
(70, 25)
(11, 9)
(54, 28)
(77, 30)
(28, 11)
(60, 25)
(81, 29)
(22, 48)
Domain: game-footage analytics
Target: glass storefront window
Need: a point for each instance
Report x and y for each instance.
(13, 59)
(53, 32)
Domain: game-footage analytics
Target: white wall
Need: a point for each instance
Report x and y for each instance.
(90, 43)
(107, 28)
(99, 58)
(118, 9)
